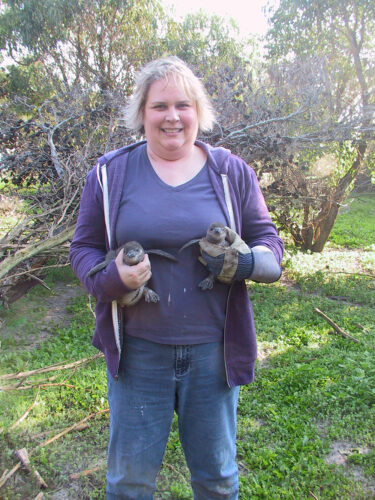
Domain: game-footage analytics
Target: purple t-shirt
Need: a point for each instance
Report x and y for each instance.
(165, 217)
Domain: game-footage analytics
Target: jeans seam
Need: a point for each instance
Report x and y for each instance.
(182, 360)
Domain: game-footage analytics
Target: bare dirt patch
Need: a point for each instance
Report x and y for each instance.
(341, 450)
(339, 455)
(57, 302)
(40, 318)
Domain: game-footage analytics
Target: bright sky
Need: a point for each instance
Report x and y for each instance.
(247, 13)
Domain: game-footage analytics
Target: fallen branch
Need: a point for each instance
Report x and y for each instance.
(26, 412)
(5, 477)
(39, 269)
(4, 474)
(45, 433)
(312, 494)
(23, 457)
(175, 470)
(39, 280)
(86, 472)
(350, 273)
(34, 249)
(19, 386)
(39, 496)
(55, 367)
(362, 327)
(41, 383)
(42, 386)
(72, 428)
(90, 306)
(75, 426)
(336, 328)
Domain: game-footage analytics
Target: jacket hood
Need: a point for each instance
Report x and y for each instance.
(107, 157)
(218, 158)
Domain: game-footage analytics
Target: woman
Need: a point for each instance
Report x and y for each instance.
(192, 350)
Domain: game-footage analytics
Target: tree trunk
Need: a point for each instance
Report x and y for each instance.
(330, 209)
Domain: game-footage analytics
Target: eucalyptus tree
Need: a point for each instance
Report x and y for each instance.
(340, 36)
(83, 41)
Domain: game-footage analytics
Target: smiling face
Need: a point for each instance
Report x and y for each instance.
(170, 120)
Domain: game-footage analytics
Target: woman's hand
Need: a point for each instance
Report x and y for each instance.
(133, 276)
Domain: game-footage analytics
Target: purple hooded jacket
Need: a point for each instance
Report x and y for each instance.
(90, 244)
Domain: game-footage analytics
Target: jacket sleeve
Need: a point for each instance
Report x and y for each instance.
(258, 230)
(89, 246)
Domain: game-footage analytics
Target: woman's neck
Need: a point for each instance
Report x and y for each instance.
(179, 170)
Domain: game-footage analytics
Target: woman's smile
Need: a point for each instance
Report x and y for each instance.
(172, 130)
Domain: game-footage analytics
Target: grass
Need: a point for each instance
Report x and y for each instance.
(306, 426)
(354, 228)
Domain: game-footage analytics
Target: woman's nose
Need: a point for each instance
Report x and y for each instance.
(173, 115)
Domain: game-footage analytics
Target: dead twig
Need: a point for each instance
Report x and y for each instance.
(362, 327)
(312, 494)
(72, 427)
(37, 383)
(347, 272)
(4, 474)
(336, 328)
(90, 307)
(23, 457)
(175, 470)
(42, 386)
(5, 477)
(86, 472)
(36, 278)
(41, 383)
(55, 367)
(26, 412)
(81, 427)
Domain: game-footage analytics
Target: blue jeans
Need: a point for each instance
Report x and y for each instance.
(154, 381)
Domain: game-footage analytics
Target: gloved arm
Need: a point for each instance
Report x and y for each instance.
(266, 268)
(244, 267)
(258, 265)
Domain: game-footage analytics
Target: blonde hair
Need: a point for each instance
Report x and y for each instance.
(164, 68)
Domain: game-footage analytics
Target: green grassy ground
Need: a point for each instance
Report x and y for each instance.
(354, 228)
(306, 426)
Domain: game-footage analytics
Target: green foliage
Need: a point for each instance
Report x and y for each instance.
(27, 80)
(206, 42)
(345, 154)
(313, 391)
(354, 227)
(36, 25)
(304, 27)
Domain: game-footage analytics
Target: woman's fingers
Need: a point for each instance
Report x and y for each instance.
(133, 276)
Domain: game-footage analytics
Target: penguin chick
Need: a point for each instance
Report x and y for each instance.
(132, 255)
(217, 234)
